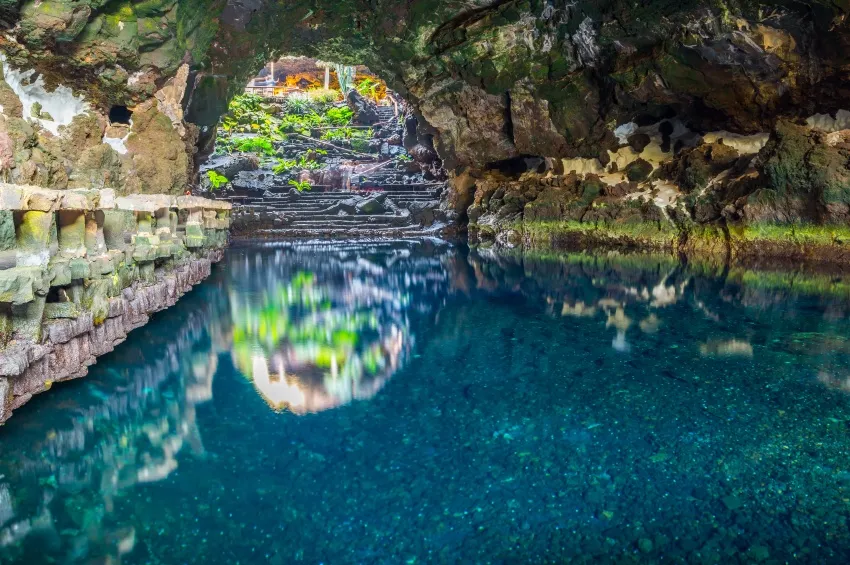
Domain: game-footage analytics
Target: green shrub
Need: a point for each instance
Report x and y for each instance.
(261, 145)
(301, 186)
(339, 116)
(216, 180)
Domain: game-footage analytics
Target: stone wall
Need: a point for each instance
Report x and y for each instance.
(80, 269)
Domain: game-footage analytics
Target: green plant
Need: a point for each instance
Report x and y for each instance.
(368, 88)
(305, 163)
(322, 97)
(300, 186)
(216, 180)
(339, 116)
(360, 144)
(345, 75)
(342, 133)
(259, 144)
(404, 157)
(298, 105)
(284, 166)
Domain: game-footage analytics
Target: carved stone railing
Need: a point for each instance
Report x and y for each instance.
(79, 269)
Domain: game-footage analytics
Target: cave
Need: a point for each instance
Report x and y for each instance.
(501, 281)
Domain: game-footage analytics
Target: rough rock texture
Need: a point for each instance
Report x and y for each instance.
(493, 82)
(72, 346)
(84, 268)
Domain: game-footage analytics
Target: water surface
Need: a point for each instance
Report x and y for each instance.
(412, 402)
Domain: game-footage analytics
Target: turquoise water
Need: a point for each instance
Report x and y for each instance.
(418, 403)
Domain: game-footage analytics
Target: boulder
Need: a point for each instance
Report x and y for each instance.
(638, 170)
(424, 211)
(259, 181)
(365, 111)
(372, 205)
(231, 165)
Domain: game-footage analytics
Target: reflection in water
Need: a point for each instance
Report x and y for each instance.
(513, 400)
(316, 326)
(67, 459)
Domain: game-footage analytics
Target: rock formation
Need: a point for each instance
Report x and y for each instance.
(81, 269)
(626, 96)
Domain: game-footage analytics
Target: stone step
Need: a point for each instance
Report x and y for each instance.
(352, 217)
(307, 233)
(343, 225)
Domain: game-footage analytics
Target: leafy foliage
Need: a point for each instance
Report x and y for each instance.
(216, 180)
(261, 144)
(301, 163)
(345, 133)
(371, 88)
(301, 186)
(339, 116)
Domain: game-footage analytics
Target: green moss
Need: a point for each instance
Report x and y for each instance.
(800, 234)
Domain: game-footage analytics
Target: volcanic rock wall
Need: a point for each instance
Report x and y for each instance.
(584, 86)
(80, 269)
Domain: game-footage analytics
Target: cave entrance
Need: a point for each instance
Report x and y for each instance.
(319, 146)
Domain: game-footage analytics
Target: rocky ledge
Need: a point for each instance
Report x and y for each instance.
(80, 269)
(777, 197)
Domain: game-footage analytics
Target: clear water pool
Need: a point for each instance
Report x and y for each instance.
(417, 403)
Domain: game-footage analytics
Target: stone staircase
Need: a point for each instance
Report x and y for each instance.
(315, 214)
(386, 113)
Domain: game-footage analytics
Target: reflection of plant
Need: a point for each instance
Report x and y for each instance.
(216, 180)
(300, 186)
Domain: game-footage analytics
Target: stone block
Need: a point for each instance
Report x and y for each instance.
(80, 269)
(11, 197)
(5, 325)
(59, 272)
(59, 310)
(94, 238)
(96, 298)
(79, 199)
(26, 319)
(7, 230)
(102, 265)
(145, 253)
(18, 286)
(41, 199)
(72, 232)
(107, 199)
(145, 202)
(35, 231)
(5, 398)
(118, 225)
